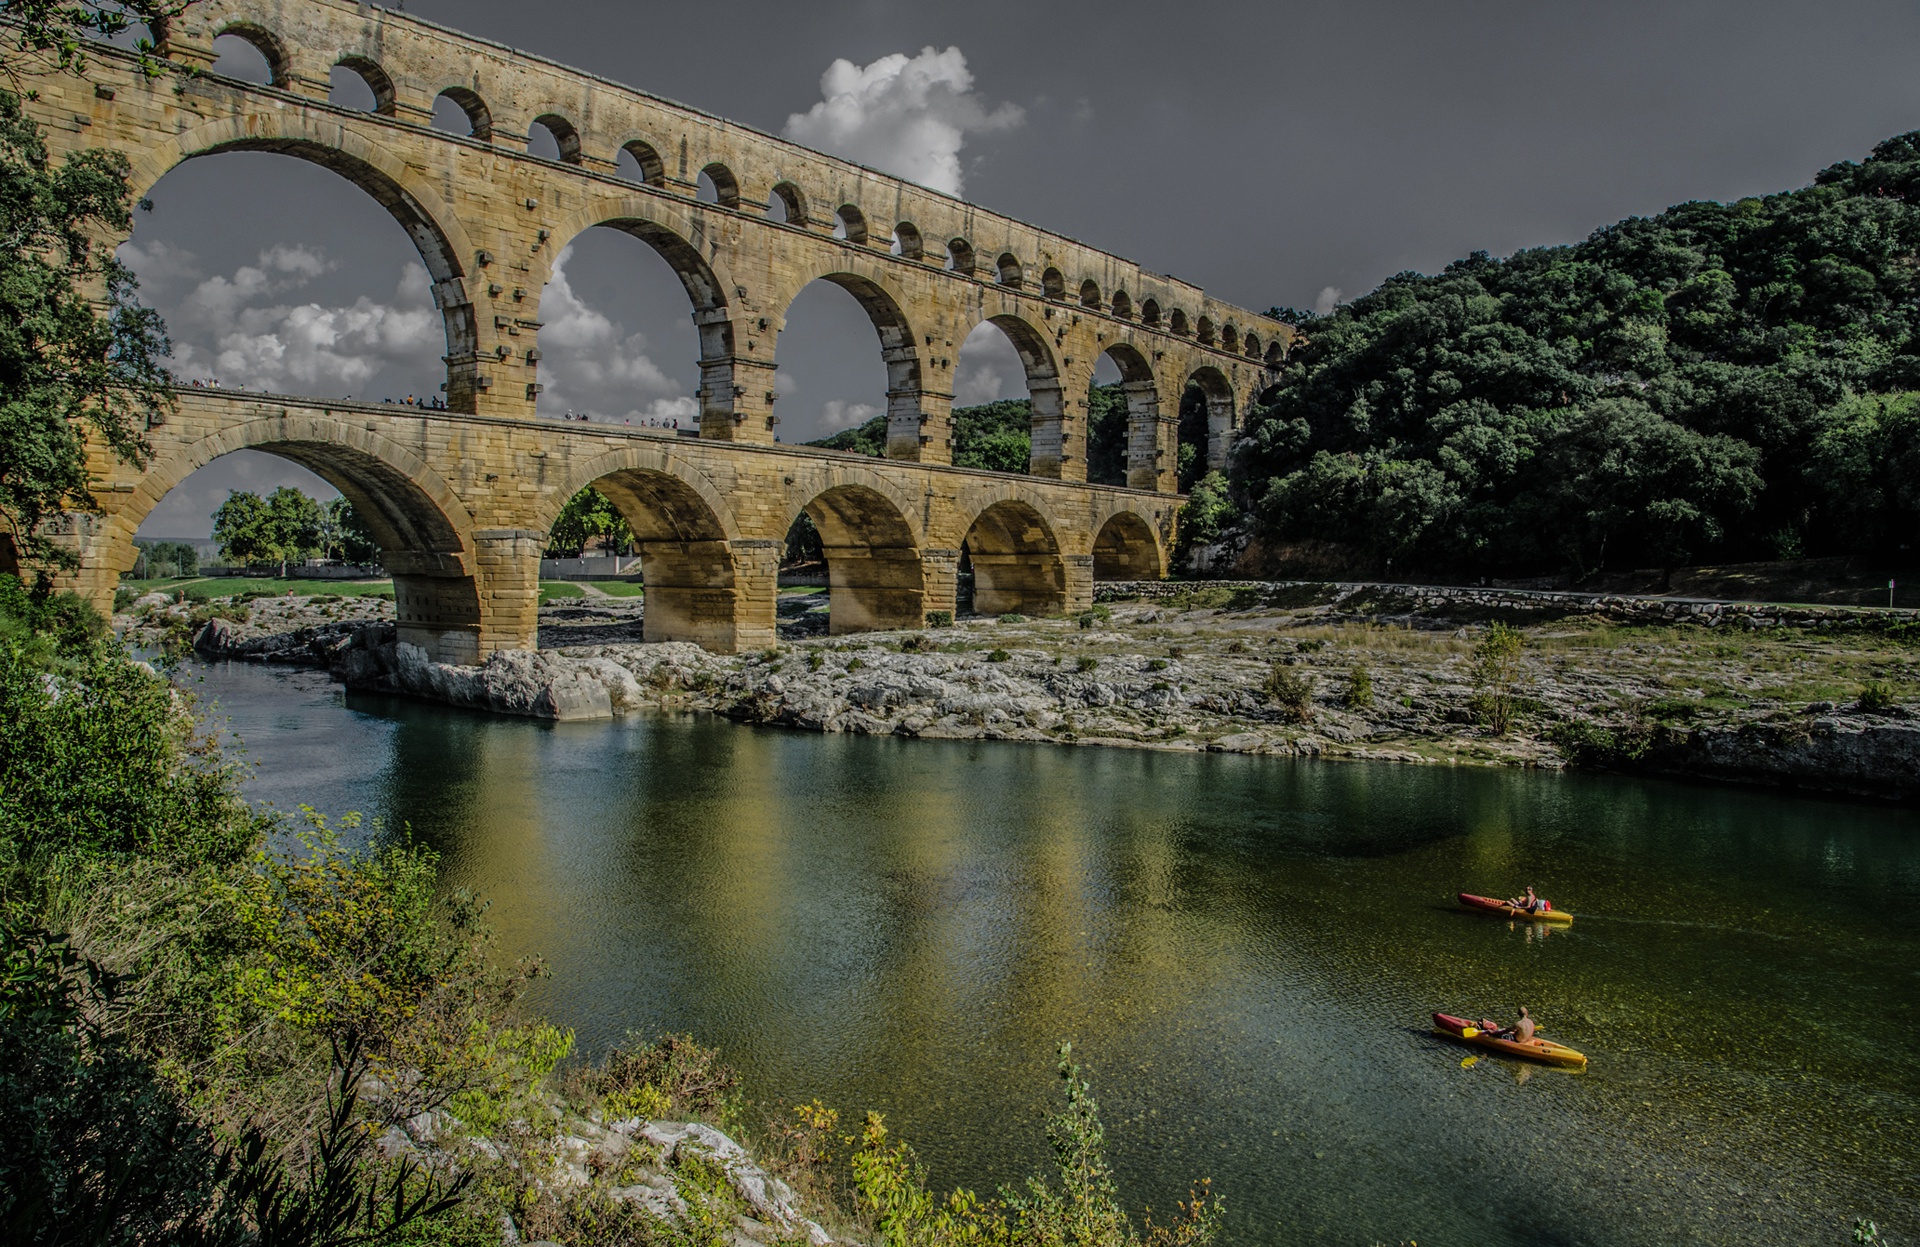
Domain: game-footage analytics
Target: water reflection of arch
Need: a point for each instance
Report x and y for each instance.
(375, 169)
(1016, 556)
(1127, 547)
(423, 529)
(685, 532)
(874, 570)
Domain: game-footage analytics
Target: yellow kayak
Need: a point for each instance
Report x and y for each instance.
(1493, 906)
(1537, 1049)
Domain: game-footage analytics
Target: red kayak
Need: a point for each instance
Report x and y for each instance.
(1536, 1049)
(1494, 905)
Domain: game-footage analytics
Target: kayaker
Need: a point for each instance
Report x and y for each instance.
(1519, 1032)
(1529, 903)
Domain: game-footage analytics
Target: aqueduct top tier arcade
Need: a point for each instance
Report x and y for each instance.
(490, 219)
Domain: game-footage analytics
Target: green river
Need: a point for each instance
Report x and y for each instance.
(1245, 952)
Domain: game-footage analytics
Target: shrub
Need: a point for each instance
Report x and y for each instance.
(1496, 673)
(1291, 691)
(1359, 692)
(1098, 615)
(1086, 662)
(1876, 698)
(998, 655)
(1157, 664)
(1013, 617)
(939, 619)
(1236, 647)
(816, 660)
(854, 664)
(918, 643)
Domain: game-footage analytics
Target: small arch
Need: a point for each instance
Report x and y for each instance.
(960, 256)
(1122, 305)
(1147, 460)
(1150, 312)
(566, 139)
(852, 224)
(717, 185)
(1090, 294)
(1218, 393)
(907, 241)
(786, 204)
(1177, 323)
(1127, 548)
(463, 105)
(1251, 344)
(1204, 330)
(638, 161)
(874, 570)
(1276, 354)
(1230, 339)
(368, 72)
(1052, 284)
(1016, 561)
(1009, 269)
(273, 57)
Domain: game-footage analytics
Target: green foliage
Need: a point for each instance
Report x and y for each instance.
(69, 367)
(671, 1077)
(165, 559)
(997, 436)
(803, 543)
(1207, 512)
(1876, 698)
(42, 629)
(1093, 617)
(284, 527)
(998, 655)
(588, 516)
(1291, 691)
(1085, 663)
(1157, 664)
(939, 619)
(1731, 380)
(1359, 694)
(1496, 675)
(1013, 617)
(342, 535)
(57, 31)
(993, 436)
(1586, 743)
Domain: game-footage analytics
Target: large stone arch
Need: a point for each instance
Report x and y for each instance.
(869, 282)
(430, 543)
(701, 579)
(1054, 441)
(1127, 547)
(405, 193)
(1221, 414)
(1019, 563)
(875, 572)
(1149, 456)
(672, 228)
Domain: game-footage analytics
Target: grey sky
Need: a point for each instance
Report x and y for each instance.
(1272, 154)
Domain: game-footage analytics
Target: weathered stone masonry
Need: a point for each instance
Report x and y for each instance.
(463, 498)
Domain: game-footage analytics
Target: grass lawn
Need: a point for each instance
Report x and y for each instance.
(199, 590)
(619, 588)
(559, 590)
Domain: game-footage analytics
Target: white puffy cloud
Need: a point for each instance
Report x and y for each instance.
(1328, 299)
(909, 116)
(839, 414)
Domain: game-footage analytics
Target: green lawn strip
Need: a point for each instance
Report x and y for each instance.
(260, 586)
(619, 588)
(559, 590)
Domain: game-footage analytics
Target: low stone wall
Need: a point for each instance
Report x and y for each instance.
(1395, 599)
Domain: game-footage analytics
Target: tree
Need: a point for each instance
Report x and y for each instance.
(588, 516)
(57, 31)
(342, 535)
(68, 367)
(283, 527)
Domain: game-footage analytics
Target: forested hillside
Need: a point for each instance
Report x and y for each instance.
(1721, 381)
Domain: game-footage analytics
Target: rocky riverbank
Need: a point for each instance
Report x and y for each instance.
(1817, 697)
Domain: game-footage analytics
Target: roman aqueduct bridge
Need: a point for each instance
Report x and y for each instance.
(461, 500)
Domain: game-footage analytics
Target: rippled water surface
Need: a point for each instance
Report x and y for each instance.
(1244, 950)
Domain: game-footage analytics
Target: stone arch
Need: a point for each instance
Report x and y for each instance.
(1052, 284)
(907, 242)
(1146, 454)
(1150, 312)
(898, 342)
(960, 256)
(1251, 345)
(267, 44)
(1127, 547)
(479, 116)
(1220, 411)
(668, 226)
(1230, 339)
(853, 224)
(1046, 395)
(1122, 305)
(1276, 354)
(566, 136)
(653, 170)
(1203, 330)
(1090, 294)
(441, 241)
(793, 199)
(385, 100)
(1008, 270)
(1016, 557)
(1177, 322)
(874, 571)
(425, 532)
(726, 187)
(697, 589)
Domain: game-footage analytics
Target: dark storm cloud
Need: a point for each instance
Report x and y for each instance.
(1273, 154)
